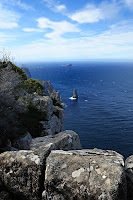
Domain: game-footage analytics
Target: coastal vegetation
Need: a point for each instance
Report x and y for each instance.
(17, 111)
(26, 105)
(31, 86)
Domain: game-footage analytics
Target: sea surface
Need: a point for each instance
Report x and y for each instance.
(103, 114)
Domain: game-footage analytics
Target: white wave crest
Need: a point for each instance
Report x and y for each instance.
(71, 98)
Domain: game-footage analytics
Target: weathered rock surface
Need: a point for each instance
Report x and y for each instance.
(129, 173)
(84, 175)
(66, 140)
(53, 126)
(23, 143)
(50, 91)
(9, 80)
(22, 172)
(45, 104)
(54, 115)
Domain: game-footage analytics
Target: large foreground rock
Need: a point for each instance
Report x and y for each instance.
(85, 175)
(129, 173)
(22, 172)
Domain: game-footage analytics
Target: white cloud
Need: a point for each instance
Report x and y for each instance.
(58, 28)
(50, 3)
(56, 6)
(91, 13)
(116, 42)
(7, 25)
(110, 10)
(88, 15)
(60, 8)
(18, 3)
(5, 37)
(129, 3)
(32, 30)
(8, 19)
(24, 6)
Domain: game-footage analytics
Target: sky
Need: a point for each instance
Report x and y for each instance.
(49, 30)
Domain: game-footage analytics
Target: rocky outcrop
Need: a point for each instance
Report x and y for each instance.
(129, 173)
(65, 140)
(50, 91)
(26, 106)
(22, 172)
(45, 104)
(9, 80)
(54, 115)
(86, 174)
(75, 94)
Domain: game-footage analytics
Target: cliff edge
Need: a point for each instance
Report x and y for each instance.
(28, 109)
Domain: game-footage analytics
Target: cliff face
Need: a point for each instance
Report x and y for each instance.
(26, 107)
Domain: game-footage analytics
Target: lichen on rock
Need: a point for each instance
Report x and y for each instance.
(88, 174)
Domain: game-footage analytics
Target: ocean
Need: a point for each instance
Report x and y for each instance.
(103, 114)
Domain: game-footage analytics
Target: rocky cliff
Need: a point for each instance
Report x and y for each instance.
(27, 108)
(40, 162)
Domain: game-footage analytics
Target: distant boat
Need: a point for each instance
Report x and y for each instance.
(67, 65)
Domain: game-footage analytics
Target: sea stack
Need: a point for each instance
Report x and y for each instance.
(75, 94)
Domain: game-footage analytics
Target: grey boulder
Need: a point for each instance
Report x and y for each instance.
(66, 140)
(84, 175)
(129, 173)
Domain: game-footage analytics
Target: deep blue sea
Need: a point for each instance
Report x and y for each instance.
(103, 114)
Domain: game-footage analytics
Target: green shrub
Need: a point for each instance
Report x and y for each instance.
(32, 85)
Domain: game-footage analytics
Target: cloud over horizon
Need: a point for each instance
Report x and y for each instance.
(52, 29)
(59, 28)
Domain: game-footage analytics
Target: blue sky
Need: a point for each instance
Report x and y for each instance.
(42, 30)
